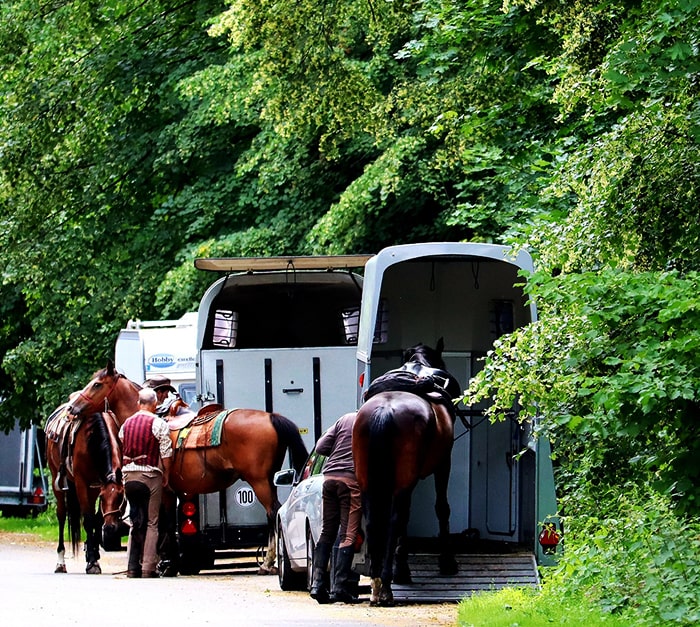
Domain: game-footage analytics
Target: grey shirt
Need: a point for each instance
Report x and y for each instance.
(336, 444)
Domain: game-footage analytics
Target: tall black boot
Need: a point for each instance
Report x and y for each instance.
(319, 590)
(343, 580)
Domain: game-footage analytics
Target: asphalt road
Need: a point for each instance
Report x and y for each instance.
(32, 593)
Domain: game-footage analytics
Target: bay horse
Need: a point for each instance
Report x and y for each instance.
(404, 432)
(252, 447)
(90, 468)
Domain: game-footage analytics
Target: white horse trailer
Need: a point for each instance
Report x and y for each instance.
(501, 489)
(23, 486)
(277, 334)
(304, 337)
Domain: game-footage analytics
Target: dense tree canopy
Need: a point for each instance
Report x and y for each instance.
(137, 136)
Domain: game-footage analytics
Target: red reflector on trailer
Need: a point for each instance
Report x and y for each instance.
(549, 538)
(189, 509)
(188, 528)
(37, 497)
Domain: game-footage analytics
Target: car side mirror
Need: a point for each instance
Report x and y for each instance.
(284, 478)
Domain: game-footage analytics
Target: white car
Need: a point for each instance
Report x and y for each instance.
(299, 522)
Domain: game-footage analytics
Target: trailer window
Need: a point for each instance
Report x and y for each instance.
(280, 315)
(351, 324)
(501, 317)
(225, 329)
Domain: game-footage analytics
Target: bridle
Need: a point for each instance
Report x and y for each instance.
(90, 402)
(111, 478)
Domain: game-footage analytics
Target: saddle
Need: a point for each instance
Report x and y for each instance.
(200, 430)
(185, 417)
(432, 384)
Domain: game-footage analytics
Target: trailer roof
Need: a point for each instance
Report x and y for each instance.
(263, 264)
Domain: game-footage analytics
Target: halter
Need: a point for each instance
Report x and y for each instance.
(111, 478)
(90, 402)
(110, 512)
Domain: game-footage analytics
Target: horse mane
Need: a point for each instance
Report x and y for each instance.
(99, 445)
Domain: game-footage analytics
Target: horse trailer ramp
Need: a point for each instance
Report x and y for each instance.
(478, 572)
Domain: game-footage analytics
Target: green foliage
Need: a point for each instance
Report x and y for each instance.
(44, 525)
(87, 90)
(616, 374)
(630, 554)
(531, 608)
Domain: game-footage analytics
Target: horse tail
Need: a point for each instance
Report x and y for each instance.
(379, 491)
(73, 517)
(380, 457)
(290, 438)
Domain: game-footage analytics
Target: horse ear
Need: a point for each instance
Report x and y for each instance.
(110, 367)
(440, 345)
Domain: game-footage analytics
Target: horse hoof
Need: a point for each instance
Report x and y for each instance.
(93, 569)
(384, 600)
(380, 594)
(265, 570)
(60, 568)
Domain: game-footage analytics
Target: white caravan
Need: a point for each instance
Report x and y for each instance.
(166, 347)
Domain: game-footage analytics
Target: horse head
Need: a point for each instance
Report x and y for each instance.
(106, 452)
(95, 396)
(112, 507)
(426, 356)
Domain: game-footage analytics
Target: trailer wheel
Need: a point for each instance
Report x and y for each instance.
(289, 579)
(190, 563)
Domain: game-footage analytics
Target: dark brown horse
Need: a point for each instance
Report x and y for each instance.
(400, 437)
(253, 444)
(85, 460)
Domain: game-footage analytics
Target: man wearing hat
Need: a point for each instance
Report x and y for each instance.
(161, 385)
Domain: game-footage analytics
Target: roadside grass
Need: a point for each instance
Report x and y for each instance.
(44, 525)
(518, 607)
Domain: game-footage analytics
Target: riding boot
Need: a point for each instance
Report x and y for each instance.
(319, 590)
(343, 580)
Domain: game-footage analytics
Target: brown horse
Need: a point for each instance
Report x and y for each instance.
(90, 468)
(400, 437)
(252, 447)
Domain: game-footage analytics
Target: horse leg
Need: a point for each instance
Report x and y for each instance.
(446, 560)
(266, 493)
(398, 523)
(167, 543)
(91, 522)
(401, 572)
(61, 516)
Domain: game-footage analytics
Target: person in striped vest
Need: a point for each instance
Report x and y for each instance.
(147, 453)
